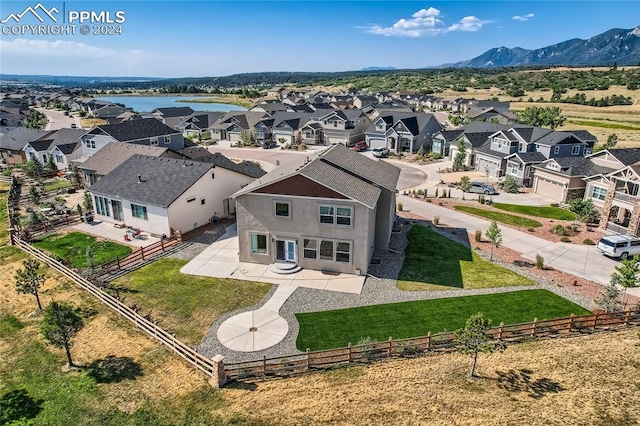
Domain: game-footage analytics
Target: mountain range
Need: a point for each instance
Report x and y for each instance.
(616, 45)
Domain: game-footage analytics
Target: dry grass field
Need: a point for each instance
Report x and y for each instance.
(583, 380)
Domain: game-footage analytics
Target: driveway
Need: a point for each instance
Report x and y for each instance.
(57, 119)
(580, 260)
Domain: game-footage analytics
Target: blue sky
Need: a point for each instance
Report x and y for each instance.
(213, 38)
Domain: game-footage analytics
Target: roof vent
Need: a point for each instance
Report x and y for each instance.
(140, 179)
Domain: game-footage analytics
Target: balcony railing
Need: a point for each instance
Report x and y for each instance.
(618, 229)
(618, 195)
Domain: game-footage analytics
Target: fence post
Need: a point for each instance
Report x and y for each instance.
(349, 349)
(501, 331)
(142, 252)
(627, 317)
(218, 373)
(571, 317)
(264, 365)
(535, 324)
(390, 347)
(162, 243)
(308, 360)
(118, 262)
(12, 236)
(429, 341)
(179, 236)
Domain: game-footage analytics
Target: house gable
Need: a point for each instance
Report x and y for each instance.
(300, 186)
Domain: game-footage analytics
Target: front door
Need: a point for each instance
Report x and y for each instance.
(286, 251)
(116, 206)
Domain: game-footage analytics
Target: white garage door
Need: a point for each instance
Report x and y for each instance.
(376, 143)
(550, 189)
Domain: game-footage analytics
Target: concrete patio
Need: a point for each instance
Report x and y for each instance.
(107, 231)
(220, 260)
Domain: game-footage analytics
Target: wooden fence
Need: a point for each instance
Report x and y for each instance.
(283, 366)
(5, 179)
(137, 256)
(200, 362)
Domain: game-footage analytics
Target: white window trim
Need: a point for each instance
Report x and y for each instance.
(145, 214)
(556, 149)
(275, 206)
(335, 215)
(251, 246)
(335, 251)
(575, 150)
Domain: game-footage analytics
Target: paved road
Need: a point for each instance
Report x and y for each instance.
(580, 260)
(409, 176)
(57, 119)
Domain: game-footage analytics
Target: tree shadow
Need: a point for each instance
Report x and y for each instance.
(17, 405)
(238, 384)
(114, 369)
(522, 381)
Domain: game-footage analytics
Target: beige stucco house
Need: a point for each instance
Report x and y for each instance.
(325, 212)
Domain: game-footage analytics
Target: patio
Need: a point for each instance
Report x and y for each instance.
(107, 231)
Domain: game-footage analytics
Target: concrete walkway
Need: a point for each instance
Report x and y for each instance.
(260, 329)
(579, 260)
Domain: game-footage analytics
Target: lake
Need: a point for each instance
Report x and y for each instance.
(149, 103)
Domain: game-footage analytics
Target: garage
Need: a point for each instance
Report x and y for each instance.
(550, 188)
(483, 164)
(373, 142)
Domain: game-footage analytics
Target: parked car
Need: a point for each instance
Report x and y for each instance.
(380, 152)
(268, 144)
(481, 188)
(619, 246)
(73, 125)
(359, 146)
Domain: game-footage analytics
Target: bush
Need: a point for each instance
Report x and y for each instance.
(539, 262)
(436, 220)
(400, 207)
(559, 230)
(589, 242)
(565, 239)
(478, 236)
(481, 199)
(531, 230)
(510, 185)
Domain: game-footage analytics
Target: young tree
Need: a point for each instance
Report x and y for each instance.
(542, 117)
(461, 155)
(87, 201)
(32, 168)
(584, 209)
(50, 165)
(91, 261)
(494, 234)
(61, 322)
(473, 339)
(510, 185)
(612, 140)
(465, 183)
(34, 195)
(29, 280)
(626, 276)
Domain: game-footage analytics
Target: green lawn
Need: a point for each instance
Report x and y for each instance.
(505, 218)
(332, 329)
(602, 124)
(73, 248)
(547, 212)
(56, 184)
(434, 262)
(186, 304)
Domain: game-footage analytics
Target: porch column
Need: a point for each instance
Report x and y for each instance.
(608, 203)
(635, 218)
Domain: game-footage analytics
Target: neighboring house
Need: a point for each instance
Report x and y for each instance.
(328, 212)
(473, 140)
(115, 153)
(490, 115)
(149, 131)
(344, 126)
(64, 143)
(402, 131)
(563, 178)
(164, 195)
(443, 140)
(38, 150)
(13, 142)
(233, 124)
(177, 114)
(110, 112)
(520, 166)
(198, 123)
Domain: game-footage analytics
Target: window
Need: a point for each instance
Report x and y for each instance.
(139, 211)
(343, 252)
(598, 193)
(326, 250)
(258, 243)
(575, 150)
(512, 168)
(91, 143)
(556, 149)
(282, 209)
(336, 215)
(59, 158)
(153, 141)
(102, 206)
(310, 249)
(167, 140)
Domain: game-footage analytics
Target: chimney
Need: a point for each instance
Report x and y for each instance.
(139, 178)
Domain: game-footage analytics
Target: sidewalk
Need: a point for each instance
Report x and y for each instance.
(579, 260)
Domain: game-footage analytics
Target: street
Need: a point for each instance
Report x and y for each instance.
(57, 119)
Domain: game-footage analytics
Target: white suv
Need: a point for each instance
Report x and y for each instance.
(619, 246)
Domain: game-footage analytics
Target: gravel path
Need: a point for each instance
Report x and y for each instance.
(380, 287)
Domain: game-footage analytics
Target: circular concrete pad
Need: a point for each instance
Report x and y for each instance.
(252, 331)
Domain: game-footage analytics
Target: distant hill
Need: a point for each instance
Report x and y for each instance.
(379, 69)
(616, 45)
(68, 79)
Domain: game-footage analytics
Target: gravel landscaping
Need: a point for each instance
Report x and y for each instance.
(380, 287)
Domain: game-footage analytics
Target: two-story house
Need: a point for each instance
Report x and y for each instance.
(402, 131)
(344, 126)
(232, 125)
(325, 212)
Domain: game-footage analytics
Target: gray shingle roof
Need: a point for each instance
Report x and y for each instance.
(113, 154)
(626, 156)
(173, 111)
(576, 166)
(16, 139)
(162, 180)
(137, 129)
(340, 169)
(246, 168)
(530, 157)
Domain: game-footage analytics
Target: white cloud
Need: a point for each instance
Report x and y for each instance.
(523, 17)
(425, 22)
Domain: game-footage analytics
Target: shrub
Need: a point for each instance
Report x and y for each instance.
(539, 262)
(428, 200)
(478, 236)
(436, 220)
(488, 201)
(559, 230)
(420, 192)
(588, 242)
(565, 239)
(481, 199)
(400, 207)
(510, 185)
